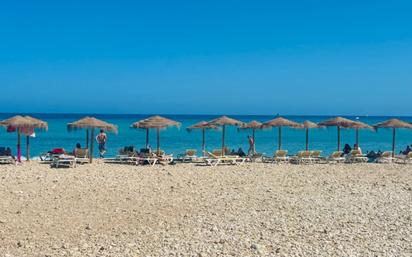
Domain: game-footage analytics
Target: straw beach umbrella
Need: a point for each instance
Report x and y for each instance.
(253, 125)
(225, 121)
(280, 122)
(360, 125)
(309, 125)
(39, 124)
(393, 124)
(155, 122)
(91, 123)
(21, 123)
(203, 125)
(338, 122)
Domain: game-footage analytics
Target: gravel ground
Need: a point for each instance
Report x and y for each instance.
(188, 210)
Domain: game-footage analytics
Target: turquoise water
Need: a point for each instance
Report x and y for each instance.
(176, 140)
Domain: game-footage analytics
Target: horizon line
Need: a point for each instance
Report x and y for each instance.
(179, 114)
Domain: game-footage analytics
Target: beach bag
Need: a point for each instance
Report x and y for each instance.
(57, 151)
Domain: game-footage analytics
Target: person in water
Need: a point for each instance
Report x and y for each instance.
(101, 139)
(347, 149)
(252, 149)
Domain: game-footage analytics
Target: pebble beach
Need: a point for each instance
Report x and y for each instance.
(186, 210)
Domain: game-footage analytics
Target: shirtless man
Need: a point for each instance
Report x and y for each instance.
(101, 139)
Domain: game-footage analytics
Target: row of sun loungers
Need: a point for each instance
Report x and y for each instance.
(81, 156)
(310, 157)
(281, 156)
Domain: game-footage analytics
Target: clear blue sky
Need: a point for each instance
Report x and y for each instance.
(206, 57)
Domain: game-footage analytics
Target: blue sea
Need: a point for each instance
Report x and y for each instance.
(176, 140)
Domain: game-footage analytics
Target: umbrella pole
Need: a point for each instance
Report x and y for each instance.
(280, 138)
(28, 148)
(338, 138)
(393, 142)
(87, 138)
(158, 141)
(357, 137)
(91, 146)
(203, 142)
(223, 139)
(147, 138)
(18, 146)
(307, 139)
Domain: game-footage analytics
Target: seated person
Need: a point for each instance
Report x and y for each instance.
(357, 147)
(379, 153)
(346, 149)
(240, 152)
(406, 151)
(371, 155)
(78, 146)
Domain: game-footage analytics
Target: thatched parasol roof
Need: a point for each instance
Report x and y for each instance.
(90, 123)
(361, 125)
(281, 122)
(251, 125)
(155, 122)
(338, 122)
(393, 123)
(24, 122)
(202, 125)
(39, 123)
(309, 124)
(224, 120)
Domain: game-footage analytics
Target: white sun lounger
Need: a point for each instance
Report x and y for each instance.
(67, 161)
(6, 160)
(214, 160)
(356, 157)
(386, 157)
(336, 157)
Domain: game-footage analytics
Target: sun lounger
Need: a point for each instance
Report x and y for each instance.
(5, 156)
(164, 158)
(386, 157)
(302, 157)
(147, 158)
(356, 157)
(68, 161)
(255, 157)
(127, 155)
(214, 160)
(336, 157)
(49, 156)
(315, 156)
(280, 156)
(188, 156)
(123, 159)
(81, 155)
(404, 159)
(7, 160)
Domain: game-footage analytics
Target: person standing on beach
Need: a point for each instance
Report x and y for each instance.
(101, 139)
(252, 149)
